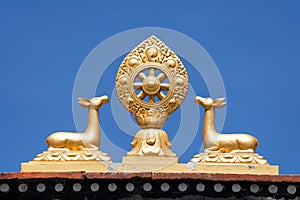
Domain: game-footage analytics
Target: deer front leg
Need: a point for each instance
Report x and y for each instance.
(213, 149)
(89, 148)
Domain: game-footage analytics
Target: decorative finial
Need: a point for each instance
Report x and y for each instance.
(151, 84)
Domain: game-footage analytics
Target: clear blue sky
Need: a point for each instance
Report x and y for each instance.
(255, 44)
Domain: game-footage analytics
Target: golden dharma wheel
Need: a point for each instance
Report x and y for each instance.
(151, 76)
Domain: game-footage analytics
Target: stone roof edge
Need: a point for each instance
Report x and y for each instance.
(149, 175)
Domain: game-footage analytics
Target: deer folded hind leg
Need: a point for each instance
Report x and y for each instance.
(242, 151)
(58, 149)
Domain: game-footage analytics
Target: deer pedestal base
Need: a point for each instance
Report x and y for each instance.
(63, 161)
(230, 158)
(62, 156)
(146, 163)
(68, 166)
(233, 163)
(233, 168)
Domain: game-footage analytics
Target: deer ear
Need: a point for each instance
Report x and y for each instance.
(84, 102)
(218, 102)
(198, 99)
(221, 105)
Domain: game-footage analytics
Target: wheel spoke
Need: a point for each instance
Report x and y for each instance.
(152, 72)
(141, 95)
(164, 86)
(161, 77)
(151, 99)
(142, 76)
(161, 95)
(137, 86)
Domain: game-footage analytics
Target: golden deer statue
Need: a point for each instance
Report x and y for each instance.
(217, 142)
(88, 140)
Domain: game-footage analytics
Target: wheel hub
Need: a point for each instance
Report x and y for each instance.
(151, 85)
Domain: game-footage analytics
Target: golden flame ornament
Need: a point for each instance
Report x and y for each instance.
(151, 83)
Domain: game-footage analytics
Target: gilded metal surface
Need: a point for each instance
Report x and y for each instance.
(151, 142)
(151, 83)
(216, 142)
(68, 146)
(72, 156)
(240, 158)
(88, 140)
(151, 75)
